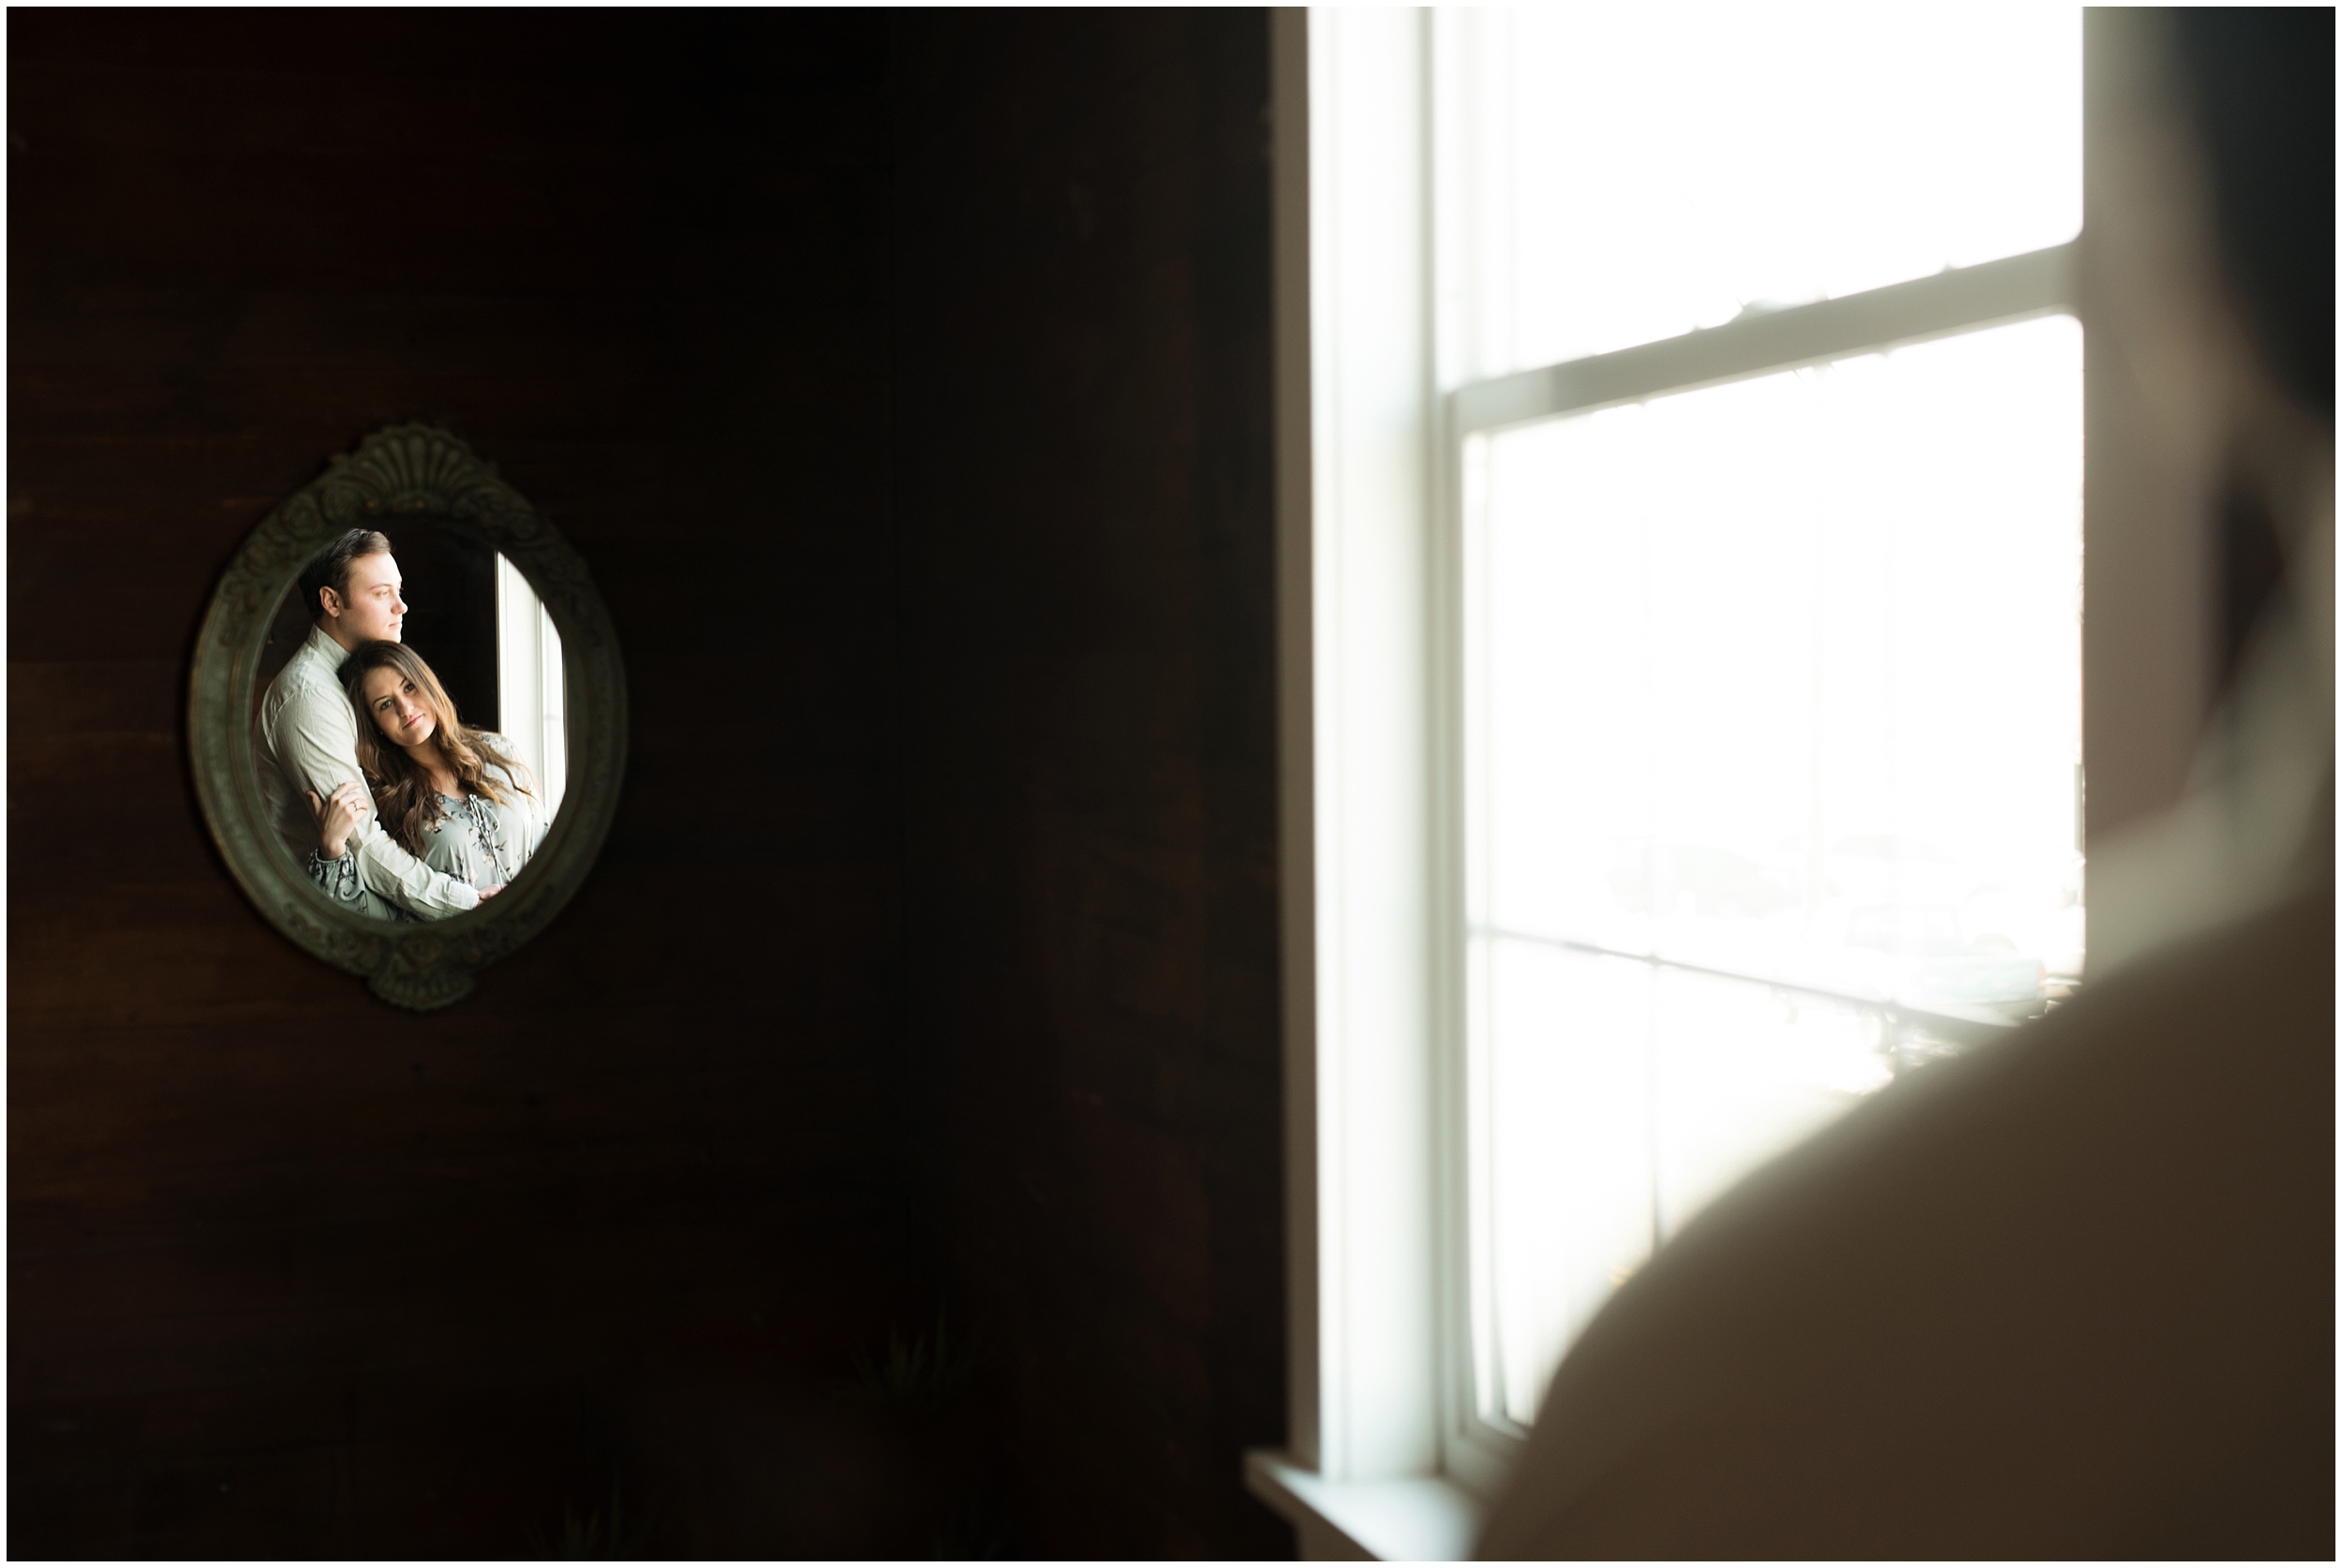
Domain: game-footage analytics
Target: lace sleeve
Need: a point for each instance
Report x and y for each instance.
(341, 881)
(338, 877)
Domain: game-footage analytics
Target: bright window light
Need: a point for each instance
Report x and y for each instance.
(1680, 603)
(1625, 173)
(1777, 680)
(531, 682)
(1770, 690)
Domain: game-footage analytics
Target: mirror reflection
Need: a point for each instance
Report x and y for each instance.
(409, 722)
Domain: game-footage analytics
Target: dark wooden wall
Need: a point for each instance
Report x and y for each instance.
(1082, 460)
(292, 1272)
(904, 381)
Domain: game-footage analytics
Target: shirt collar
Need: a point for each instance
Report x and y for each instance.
(324, 648)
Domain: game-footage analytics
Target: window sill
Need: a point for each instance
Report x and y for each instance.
(1411, 1520)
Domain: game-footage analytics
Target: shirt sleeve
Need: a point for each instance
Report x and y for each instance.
(340, 882)
(317, 748)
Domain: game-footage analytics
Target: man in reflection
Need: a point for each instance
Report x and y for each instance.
(2071, 1295)
(305, 736)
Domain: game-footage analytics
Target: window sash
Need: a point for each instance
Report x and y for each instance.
(1479, 1440)
(1958, 299)
(1383, 1433)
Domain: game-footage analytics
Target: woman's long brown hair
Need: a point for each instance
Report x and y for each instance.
(403, 795)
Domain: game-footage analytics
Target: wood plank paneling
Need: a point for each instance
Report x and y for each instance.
(1082, 455)
(292, 1272)
(904, 381)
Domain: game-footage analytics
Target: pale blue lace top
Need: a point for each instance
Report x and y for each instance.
(475, 840)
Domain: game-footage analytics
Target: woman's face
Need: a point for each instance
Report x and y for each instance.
(398, 709)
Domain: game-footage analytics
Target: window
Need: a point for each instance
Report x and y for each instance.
(530, 682)
(1680, 427)
(1772, 719)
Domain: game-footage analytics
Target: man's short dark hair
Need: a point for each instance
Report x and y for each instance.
(330, 567)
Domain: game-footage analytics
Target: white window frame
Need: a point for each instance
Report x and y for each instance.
(1388, 1455)
(1949, 303)
(532, 689)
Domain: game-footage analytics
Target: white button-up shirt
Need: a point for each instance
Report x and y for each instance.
(304, 737)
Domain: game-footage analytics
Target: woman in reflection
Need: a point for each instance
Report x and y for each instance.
(456, 797)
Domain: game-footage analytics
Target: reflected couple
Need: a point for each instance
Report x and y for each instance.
(398, 809)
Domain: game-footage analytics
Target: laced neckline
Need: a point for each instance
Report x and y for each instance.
(487, 831)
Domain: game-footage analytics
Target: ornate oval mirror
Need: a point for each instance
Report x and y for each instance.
(408, 634)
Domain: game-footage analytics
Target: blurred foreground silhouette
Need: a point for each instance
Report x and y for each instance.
(2071, 1295)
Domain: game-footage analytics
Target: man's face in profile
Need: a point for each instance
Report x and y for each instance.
(373, 611)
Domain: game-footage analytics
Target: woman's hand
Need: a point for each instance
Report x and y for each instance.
(337, 815)
(492, 890)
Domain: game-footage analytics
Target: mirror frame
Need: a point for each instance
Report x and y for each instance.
(404, 471)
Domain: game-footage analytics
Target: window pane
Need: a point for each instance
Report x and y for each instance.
(1623, 1097)
(1628, 172)
(528, 659)
(1780, 679)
